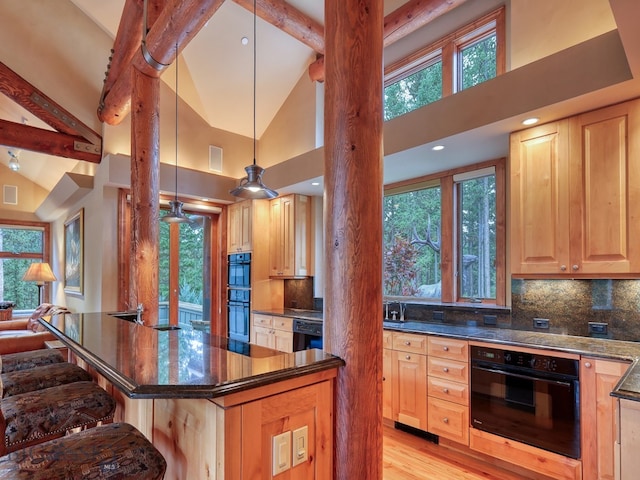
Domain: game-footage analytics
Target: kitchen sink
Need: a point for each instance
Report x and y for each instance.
(129, 316)
(166, 328)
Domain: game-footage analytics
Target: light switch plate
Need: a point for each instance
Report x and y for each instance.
(300, 445)
(281, 453)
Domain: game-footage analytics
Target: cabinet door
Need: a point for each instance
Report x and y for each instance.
(275, 245)
(283, 340)
(598, 416)
(387, 383)
(540, 199)
(605, 199)
(264, 337)
(239, 226)
(410, 389)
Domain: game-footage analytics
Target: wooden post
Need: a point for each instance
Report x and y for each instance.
(353, 219)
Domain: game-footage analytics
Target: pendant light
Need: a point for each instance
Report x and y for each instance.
(176, 215)
(14, 162)
(251, 186)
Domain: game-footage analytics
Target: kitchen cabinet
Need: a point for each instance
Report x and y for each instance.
(409, 361)
(573, 201)
(239, 223)
(598, 411)
(272, 332)
(448, 388)
(290, 236)
(387, 375)
(629, 439)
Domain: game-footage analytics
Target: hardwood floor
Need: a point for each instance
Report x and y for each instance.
(407, 457)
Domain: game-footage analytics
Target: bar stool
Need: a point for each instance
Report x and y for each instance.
(11, 362)
(116, 451)
(34, 417)
(37, 378)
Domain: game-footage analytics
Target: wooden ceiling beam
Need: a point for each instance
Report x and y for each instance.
(26, 137)
(290, 20)
(398, 24)
(178, 22)
(33, 100)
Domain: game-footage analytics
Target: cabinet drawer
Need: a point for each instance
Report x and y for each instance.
(261, 320)
(409, 342)
(282, 323)
(448, 390)
(449, 420)
(449, 369)
(449, 348)
(387, 339)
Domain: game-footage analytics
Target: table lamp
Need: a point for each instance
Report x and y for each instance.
(39, 272)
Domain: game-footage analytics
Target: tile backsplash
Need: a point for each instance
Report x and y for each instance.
(570, 305)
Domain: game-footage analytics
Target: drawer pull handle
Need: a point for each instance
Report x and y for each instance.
(445, 369)
(408, 357)
(445, 390)
(446, 349)
(587, 364)
(445, 420)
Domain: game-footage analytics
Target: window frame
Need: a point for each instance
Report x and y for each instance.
(447, 48)
(450, 292)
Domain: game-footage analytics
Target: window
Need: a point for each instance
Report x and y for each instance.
(444, 236)
(467, 57)
(20, 245)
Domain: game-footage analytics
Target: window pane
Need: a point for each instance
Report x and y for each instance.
(163, 272)
(412, 243)
(478, 62)
(477, 256)
(21, 240)
(414, 91)
(13, 288)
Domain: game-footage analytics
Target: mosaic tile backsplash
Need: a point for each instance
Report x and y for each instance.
(570, 305)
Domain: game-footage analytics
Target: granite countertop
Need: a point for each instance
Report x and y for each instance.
(293, 313)
(184, 363)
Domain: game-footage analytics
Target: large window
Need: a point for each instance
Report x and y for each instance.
(469, 56)
(20, 245)
(444, 236)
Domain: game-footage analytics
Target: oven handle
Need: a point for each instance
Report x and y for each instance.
(519, 375)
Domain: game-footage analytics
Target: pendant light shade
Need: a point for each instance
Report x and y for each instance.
(176, 215)
(14, 161)
(251, 186)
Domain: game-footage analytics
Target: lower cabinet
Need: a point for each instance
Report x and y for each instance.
(387, 375)
(409, 360)
(598, 412)
(629, 439)
(272, 331)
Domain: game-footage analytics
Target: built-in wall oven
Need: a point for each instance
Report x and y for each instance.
(239, 296)
(527, 397)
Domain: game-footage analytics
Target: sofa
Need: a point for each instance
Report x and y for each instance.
(22, 334)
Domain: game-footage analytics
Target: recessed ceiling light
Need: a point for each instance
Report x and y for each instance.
(437, 148)
(530, 121)
(244, 41)
(315, 184)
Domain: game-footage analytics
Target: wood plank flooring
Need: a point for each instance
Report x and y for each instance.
(407, 457)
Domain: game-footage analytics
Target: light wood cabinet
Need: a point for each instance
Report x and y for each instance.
(448, 388)
(290, 236)
(272, 332)
(629, 439)
(387, 375)
(409, 359)
(573, 201)
(598, 411)
(239, 226)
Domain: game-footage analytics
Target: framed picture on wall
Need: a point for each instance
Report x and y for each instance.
(74, 253)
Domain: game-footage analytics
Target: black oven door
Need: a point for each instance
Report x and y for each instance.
(538, 409)
(238, 313)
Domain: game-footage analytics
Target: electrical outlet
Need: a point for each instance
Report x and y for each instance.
(281, 453)
(541, 323)
(598, 328)
(300, 445)
(438, 315)
(490, 319)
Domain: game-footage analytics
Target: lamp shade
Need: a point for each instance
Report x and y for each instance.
(39, 272)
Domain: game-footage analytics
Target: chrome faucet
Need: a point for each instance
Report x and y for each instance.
(139, 311)
(403, 307)
(386, 310)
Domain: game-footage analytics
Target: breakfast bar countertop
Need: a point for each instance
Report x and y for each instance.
(145, 362)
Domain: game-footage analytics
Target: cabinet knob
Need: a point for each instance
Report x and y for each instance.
(575, 267)
(408, 357)
(445, 369)
(587, 364)
(563, 267)
(446, 349)
(384, 379)
(445, 420)
(407, 343)
(445, 390)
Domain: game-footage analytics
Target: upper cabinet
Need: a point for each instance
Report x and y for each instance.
(290, 224)
(575, 195)
(239, 226)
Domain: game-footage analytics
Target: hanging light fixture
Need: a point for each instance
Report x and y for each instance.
(176, 215)
(14, 162)
(251, 186)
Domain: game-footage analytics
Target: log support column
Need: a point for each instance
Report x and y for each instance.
(353, 220)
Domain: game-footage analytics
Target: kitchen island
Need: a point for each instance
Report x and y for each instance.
(211, 405)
